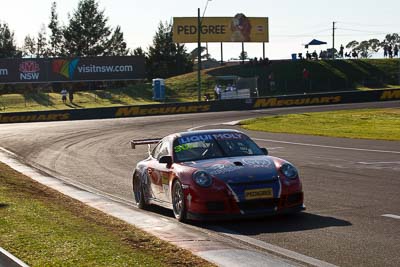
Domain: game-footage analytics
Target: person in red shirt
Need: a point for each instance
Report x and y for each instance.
(306, 79)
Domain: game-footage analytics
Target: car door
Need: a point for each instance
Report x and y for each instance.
(159, 173)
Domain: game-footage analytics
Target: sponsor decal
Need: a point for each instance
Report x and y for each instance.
(183, 147)
(275, 102)
(258, 193)
(136, 111)
(64, 67)
(257, 163)
(33, 117)
(208, 137)
(387, 95)
(29, 70)
(104, 68)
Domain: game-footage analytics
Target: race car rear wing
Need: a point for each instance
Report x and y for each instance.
(137, 142)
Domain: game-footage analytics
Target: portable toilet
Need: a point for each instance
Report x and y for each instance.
(158, 89)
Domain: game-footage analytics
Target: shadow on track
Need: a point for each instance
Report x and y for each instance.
(301, 221)
(281, 224)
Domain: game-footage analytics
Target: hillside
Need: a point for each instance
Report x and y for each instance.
(325, 75)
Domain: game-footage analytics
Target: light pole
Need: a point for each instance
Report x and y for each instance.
(199, 21)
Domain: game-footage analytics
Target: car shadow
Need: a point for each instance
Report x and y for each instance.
(301, 221)
(296, 222)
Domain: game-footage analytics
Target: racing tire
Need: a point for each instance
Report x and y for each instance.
(138, 192)
(178, 201)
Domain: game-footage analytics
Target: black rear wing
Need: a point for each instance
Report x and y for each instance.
(138, 142)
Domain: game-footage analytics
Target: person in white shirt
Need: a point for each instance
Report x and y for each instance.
(64, 95)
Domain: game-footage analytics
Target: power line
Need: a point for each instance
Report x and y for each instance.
(303, 34)
(355, 30)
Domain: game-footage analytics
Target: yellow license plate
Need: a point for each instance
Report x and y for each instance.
(258, 193)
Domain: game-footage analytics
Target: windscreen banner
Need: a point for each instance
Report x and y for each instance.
(46, 70)
(221, 29)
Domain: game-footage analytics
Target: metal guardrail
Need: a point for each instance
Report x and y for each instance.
(9, 260)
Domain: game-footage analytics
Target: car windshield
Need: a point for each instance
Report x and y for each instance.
(215, 145)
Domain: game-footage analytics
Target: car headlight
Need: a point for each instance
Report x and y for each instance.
(289, 171)
(202, 178)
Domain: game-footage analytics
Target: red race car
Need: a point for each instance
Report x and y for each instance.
(215, 174)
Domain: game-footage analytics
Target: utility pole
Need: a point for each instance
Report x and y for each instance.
(333, 40)
(198, 56)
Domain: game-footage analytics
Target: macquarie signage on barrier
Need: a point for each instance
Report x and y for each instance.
(198, 107)
(71, 69)
(221, 29)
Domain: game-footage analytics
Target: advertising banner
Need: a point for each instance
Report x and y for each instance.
(200, 107)
(221, 29)
(43, 70)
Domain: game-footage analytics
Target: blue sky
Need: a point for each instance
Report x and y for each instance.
(292, 22)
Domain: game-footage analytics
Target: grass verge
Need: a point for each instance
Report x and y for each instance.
(45, 228)
(378, 124)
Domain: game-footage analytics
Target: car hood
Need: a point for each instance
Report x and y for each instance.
(234, 170)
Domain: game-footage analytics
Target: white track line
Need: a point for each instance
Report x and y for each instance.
(324, 146)
(300, 144)
(391, 216)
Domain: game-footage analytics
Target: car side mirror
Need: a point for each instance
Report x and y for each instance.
(166, 160)
(263, 149)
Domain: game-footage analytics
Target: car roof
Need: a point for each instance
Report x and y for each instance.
(198, 132)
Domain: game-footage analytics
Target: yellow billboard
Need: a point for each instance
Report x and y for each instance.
(221, 29)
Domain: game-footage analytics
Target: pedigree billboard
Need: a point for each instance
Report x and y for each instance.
(221, 29)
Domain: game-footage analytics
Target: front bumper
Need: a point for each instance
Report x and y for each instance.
(249, 215)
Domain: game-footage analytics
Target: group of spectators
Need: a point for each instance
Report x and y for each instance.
(390, 51)
(65, 93)
(218, 90)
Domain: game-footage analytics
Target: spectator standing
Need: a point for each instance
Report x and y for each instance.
(71, 96)
(385, 50)
(64, 95)
(390, 51)
(271, 81)
(396, 51)
(306, 79)
(217, 91)
(341, 51)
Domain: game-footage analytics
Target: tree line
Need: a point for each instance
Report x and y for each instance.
(87, 33)
(367, 48)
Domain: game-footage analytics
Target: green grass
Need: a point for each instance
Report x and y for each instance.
(379, 124)
(326, 76)
(45, 228)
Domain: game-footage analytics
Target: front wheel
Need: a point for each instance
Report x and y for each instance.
(178, 201)
(138, 191)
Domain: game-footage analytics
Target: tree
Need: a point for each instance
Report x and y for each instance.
(243, 55)
(165, 58)
(193, 54)
(29, 48)
(7, 43)
(56, 36)
(117, 46)
(391, 39)
(41, 43)
(138, 52)
(365, 48)
(88, 34)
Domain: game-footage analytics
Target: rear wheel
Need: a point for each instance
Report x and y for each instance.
(138, 191)
(178, 201)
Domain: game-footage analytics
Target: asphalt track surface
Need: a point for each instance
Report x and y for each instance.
(349, 184)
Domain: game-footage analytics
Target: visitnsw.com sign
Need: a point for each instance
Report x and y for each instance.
(71, 69)
(221, 29)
